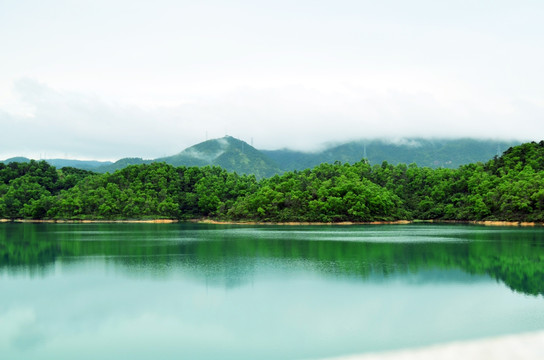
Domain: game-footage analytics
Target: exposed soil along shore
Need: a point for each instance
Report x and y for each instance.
(295, 223)
(483, 222)
(397, 222)
(289, 223)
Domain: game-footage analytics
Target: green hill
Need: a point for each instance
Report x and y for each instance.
(17, 159)
(91, 165)
(505, 188)
(424, 152)
(236, 155)
(121, 164)
(229, 153)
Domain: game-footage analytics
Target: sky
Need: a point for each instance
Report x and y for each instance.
(97, 79)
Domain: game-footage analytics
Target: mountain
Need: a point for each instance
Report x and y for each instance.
(18, 159)
(424, 152)
(229, 153)
(121, 164)
(91, 165)
(236, 155)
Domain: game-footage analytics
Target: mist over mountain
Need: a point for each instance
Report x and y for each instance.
(121, 164)
(434, 153)
(235, 155)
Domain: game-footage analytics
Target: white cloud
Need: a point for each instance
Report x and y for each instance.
(294, 116)
(131, 78)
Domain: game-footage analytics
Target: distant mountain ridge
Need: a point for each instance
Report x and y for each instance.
(235, 155)
(80, 164)
(121, 164)
(91, 165)
(423, 152)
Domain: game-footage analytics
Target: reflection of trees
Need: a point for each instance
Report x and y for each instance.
(513, 257)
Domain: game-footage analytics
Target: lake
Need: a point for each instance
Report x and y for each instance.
(192, 291)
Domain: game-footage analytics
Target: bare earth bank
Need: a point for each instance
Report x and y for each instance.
(220, 222)
(399, 222)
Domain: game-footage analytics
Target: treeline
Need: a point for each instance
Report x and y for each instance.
(510, 187)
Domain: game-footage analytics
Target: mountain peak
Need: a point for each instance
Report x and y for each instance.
(228, 152)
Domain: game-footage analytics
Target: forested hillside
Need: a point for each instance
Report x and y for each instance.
(229, 153)
(235, 155)
(510, 187)
(434, 153)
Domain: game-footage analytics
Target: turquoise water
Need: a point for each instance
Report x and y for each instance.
(172, 291)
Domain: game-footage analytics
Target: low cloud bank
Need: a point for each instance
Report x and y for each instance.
(53, 123)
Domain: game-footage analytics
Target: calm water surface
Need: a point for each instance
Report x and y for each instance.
(172, 291)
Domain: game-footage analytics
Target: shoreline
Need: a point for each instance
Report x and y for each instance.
(395, 222)
(288, 223)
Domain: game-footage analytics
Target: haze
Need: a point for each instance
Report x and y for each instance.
(110, 79)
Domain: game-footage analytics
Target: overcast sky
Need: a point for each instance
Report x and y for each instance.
(109, 79)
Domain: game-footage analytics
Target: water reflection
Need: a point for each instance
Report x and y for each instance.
(232, 255)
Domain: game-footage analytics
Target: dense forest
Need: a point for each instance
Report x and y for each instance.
(510, 187)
